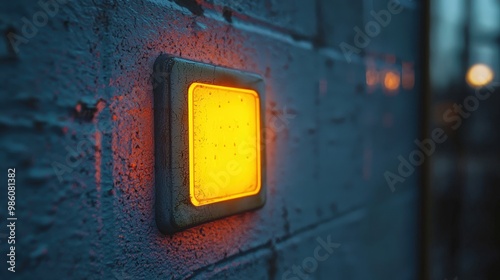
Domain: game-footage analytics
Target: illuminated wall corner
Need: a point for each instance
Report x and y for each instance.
(209, 142)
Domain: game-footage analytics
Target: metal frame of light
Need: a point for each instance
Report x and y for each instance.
(172, 79)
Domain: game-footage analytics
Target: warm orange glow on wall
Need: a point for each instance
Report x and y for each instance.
(479, 75)
(224, 143)
(392, 80)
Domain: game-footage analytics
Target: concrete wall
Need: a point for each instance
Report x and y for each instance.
(77, 124)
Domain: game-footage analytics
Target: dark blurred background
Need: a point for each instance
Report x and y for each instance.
(464, 185)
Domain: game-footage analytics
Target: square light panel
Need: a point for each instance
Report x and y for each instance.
(224, 143)
(208, 142)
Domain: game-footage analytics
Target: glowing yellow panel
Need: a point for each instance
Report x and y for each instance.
(224, 143)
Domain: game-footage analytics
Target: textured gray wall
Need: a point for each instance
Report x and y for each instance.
(77, 124)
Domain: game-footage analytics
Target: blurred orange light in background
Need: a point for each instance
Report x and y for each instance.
(224, 143)
(371, 77)
(408, 76)
(392, 80)
(479, 75)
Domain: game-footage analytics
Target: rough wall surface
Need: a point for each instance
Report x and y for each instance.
(77, 124)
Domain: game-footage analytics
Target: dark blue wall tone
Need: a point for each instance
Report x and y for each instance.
(342, 104)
